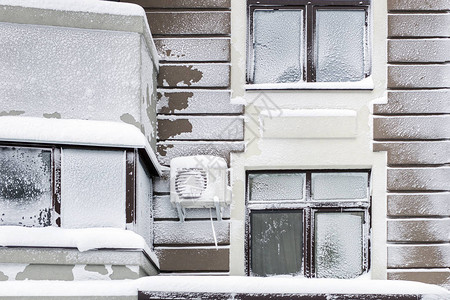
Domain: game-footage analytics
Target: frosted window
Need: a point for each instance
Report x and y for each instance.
(339, 244)
(277, 45)
(338, 186)
(25, 186)
(276, 186)
(144, 195)
(92, 188)
(276, 243)
(340, 43)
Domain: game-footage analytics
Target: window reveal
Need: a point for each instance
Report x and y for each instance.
(311, 223)
(307, 41)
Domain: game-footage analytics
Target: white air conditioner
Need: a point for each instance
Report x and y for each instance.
(199, 182)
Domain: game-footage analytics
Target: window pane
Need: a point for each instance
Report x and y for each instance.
(339, 244)
(340, 42)
(278, 39)
(276, 186)
(25, 186)
(338, 186)
(276, 243)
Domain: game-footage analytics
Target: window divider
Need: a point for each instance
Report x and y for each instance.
(56, 182)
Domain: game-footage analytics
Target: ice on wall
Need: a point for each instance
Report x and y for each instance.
(45, 68)
(276, 242)
(277, 45)
(144, 196)
(276, 186)
(25, 186)
(335, 186)
(340, 43)
(338, 245)
(92, 188)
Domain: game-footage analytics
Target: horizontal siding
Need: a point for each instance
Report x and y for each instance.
(412, 127)
(414, 153)
(163, 209)
(167, 150)
(439, 277)
(415, 102)
(418, 205)
(191, 102)
(431, 230)
(426, 50)
(418, 25)
(189, 23)
(418, 256)
(182, 3)
(193, 49)
(418, 179)
(194, 75)
(200, 128)
(193, 259)
(191, 232)
(418, 76)
(418, 5)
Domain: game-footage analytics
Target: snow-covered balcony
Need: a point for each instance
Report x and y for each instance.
(77, 140)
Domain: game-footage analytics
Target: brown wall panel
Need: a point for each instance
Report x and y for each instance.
(418, 5)
(412, 127)
(418, 76)
(413, 153)
(418, 25)
(418, 205)
(181, 3)
(441, 278)
(418, 256)
(189, 23)
(418, 179)
(425, 50)
(193, 260)
(432, 230)
(163, 209)
(193, 49)
(415, 102)
(191, 232)
(194, 101)
(195, 75)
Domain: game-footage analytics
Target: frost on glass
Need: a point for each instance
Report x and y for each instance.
(25, 186)
(144, 196)
(277, 45)
(340, 43)
(339, 186)
(276, 186)
(276, 243)
(339, 244)
(92, 188)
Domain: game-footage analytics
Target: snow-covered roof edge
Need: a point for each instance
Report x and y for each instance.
(84, 14)
(75, 132)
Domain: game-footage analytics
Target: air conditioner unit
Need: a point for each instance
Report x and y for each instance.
(199, 182)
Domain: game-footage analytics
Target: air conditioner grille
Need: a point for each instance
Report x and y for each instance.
(190, 182)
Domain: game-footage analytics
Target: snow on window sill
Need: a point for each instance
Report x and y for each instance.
(365, 84)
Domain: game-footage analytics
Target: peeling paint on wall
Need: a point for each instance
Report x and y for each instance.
(46, 272)
(129, 119)
(162, 149)
(124, 272)
(170, 128)
(174, 101)
(179, 75)
(11, 113)
(54, 115)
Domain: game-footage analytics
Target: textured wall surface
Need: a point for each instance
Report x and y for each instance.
(414, 129)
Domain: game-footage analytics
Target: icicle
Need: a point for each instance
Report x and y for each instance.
(213, 230)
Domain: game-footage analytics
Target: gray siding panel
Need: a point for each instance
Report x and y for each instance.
(412, 127)
(432, 230)
(415, 102)
(193, 49)
(427, 50)
(418, 205)
(419, 25)
(418, 179)
(194, 75)
(193, 259)
(182, 3)
(414, 153)
(189, 23)
(191, 232)
(418, 256)
(418, 76)
(418, 5)
(439, 277)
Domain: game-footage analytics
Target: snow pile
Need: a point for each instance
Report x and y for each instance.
(68, 131)
(93, 6)
(83, 239)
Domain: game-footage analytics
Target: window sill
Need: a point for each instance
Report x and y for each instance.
(365, 84)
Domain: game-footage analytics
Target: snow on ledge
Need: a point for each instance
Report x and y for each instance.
(365, 84)
(308, 113)
(93, 6)
(83, 239)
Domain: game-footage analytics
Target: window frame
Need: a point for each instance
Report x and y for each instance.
(309, 207)
(309, 32)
